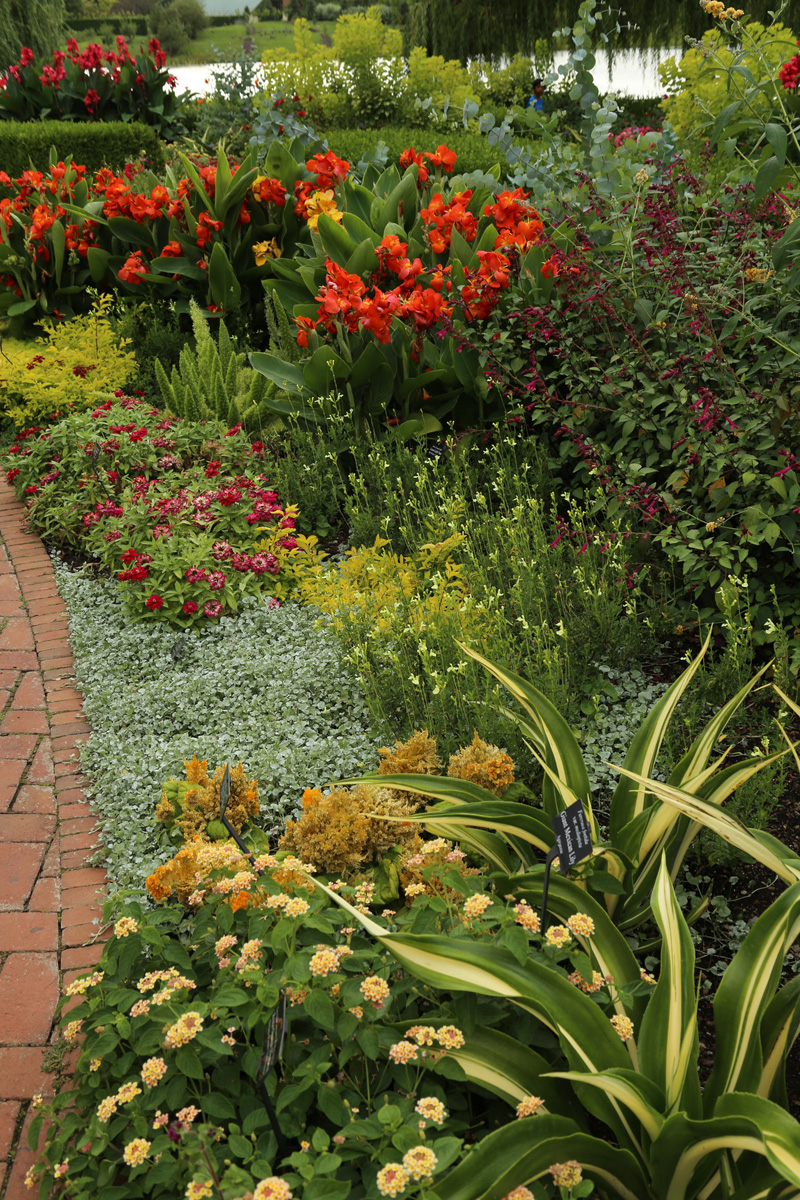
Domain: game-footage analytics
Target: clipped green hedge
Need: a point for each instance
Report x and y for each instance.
(106, 144)
(473, 150)
(128, 26)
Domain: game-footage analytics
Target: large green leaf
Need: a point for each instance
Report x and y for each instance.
(587, 1037)
(747, 989)
(98, 263)
(336, 241)
(287, 376)
(668, 1043)
(323, 368)
(523, 1151)
(780, 1027)
(609, 950)
(760, 846)
(131, 233)
(629, 797)
(639, 1094)
(557, 741)
(59, 240)
(686, 1152)
(404, 197)
(226, 291)
(511, 1070)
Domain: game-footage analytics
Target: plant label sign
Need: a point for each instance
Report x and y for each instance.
(573, 836)
(435, 451)
(225, 790)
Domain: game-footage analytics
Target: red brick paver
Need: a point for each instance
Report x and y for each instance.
(50, 893)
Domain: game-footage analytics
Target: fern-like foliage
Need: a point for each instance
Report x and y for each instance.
(214, 380)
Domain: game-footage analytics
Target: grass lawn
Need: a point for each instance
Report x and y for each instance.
(225, 42)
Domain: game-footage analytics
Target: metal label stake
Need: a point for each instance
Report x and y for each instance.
(271, 1050)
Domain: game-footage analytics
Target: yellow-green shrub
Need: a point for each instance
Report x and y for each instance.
(431, 76)
(363, 75)
(698, 85)
(377, 586)
(71, 367)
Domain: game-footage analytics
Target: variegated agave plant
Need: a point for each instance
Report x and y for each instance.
(669, 1138)
(649, 820)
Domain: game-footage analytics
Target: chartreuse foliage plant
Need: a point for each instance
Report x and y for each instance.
(700, 86)
(69, 369)
(650, 822)
(363, 77)
(669, 1137)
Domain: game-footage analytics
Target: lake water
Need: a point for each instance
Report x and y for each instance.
(627, 72)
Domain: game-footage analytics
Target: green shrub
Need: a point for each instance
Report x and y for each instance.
(187, 13)
(110, 144)
(129, 26)
(172, 31)
(699, 90)
(106, 144)
(473, 150)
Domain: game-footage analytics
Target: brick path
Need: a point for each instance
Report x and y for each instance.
(49, 899)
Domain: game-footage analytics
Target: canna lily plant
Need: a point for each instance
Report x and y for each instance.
(667, 1136)
(650, 821)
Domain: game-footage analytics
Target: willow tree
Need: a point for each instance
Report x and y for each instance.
(494, 29)
(38, 24)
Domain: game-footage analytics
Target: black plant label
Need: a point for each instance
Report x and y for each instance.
(573, 836)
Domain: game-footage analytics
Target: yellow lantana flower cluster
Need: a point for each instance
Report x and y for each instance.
(185, 1028)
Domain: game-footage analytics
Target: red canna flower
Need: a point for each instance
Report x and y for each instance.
(442, 158)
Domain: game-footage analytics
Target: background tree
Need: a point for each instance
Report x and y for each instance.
(495, 29)
(35, 23)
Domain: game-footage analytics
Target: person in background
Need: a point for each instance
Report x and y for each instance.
(536, 102)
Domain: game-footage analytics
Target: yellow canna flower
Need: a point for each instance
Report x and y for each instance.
(265, 250)
(319, 203)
